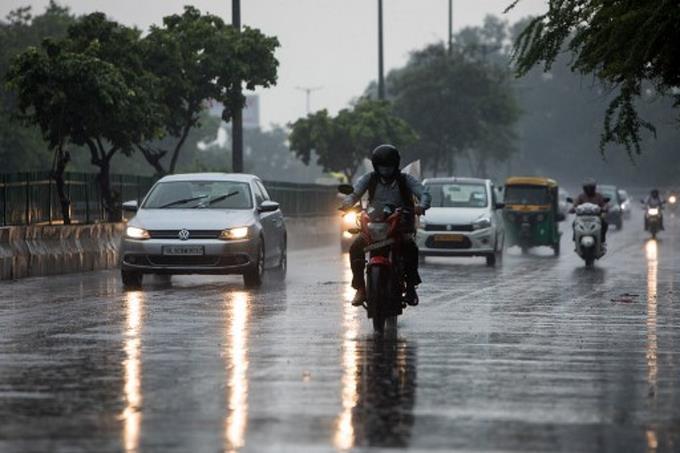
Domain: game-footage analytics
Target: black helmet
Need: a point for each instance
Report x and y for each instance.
(655, 193)
(386, 159)
(589, 186)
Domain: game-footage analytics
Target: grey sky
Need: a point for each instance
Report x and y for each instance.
(329, 43)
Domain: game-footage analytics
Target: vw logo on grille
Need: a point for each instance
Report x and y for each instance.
(449, 227)
(183, 235)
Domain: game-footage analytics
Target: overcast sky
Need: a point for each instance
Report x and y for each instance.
(327, 43)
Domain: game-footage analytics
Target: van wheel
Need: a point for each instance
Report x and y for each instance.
(252, 278)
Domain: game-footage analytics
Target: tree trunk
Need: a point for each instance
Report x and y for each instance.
(111, 204)
(178, 147)
(62, 158)
(153, 157)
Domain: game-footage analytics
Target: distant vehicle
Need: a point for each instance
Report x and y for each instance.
(204, 223)
(614, 214)
(563, 204)
(625, 203)
(463, 220)
(531, 213)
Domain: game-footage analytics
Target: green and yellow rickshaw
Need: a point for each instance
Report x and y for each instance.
(531, 213)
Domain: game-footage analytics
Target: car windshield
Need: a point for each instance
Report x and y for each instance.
(608, 192)
(526, 195)
(458, 195)
(200, 194)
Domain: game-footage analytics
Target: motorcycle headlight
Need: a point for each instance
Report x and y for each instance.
(672, 199)
(136, 233)
(234, 233)
(482, 223)
(350, 218)
(653, 211)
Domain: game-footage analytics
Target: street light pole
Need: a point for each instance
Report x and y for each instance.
(308, 93)
(237, 115)
(381, 72)
(450, 25)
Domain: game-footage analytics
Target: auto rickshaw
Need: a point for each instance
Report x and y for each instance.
(531, 213)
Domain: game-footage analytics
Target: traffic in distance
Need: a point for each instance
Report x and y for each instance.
(220, 224)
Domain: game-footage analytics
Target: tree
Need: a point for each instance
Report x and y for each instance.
(622, 43)
(89, 89)
(197, 58)
(460, 106)
(342, 142)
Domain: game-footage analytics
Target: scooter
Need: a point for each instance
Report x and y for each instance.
(588, 233)
(385, 275)
(653, 220)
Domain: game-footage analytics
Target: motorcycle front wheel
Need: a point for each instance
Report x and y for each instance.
(378, 292)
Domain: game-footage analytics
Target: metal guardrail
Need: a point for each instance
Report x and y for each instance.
(31, 198)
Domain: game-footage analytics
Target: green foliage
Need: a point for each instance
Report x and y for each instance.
(197, 58)
(459, 104)
(342, 142)
(622, 43)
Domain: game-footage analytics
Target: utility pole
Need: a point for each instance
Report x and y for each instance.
(237, 115)
(308, 93)
(450, 25)
(381, 68)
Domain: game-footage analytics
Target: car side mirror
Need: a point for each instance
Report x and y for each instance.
(345, 189)
(500, 205)
(268, 206)
(130, 206)
(570, 200)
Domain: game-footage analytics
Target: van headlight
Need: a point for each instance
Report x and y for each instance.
(482, 223)
(136, 233)
(234, 233)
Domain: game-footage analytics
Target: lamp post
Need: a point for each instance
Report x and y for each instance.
(308, 95)
(381, 68)
(450, 25)
(237, 115)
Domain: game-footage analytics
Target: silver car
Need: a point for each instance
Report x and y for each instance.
(204, 223)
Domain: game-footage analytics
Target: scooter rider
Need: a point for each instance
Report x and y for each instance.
(653, 200)
(386, 184)
(590, 195)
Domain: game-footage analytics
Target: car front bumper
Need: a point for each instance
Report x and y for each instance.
(219, 257)
(472, 243)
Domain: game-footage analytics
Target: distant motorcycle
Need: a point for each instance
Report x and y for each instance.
(653, 220)
(588, 233)
(385, 275)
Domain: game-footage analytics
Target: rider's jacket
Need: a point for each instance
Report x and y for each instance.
(388, 193)
(653, 202)
(597, 199)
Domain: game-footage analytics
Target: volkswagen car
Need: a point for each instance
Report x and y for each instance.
(463, 220)
(204, 223)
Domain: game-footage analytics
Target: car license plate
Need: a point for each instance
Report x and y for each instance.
(183, 250)
(449, 238)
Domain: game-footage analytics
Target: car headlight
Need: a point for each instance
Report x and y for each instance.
(136, 233)
(350, 218)
(234, 233)
(482, 223)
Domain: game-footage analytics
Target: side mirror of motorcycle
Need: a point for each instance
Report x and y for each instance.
(570, 200)
(354, 230)
(345, 189)
(607, 199)
(500, 205)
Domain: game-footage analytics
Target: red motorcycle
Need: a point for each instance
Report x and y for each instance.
(385, 275)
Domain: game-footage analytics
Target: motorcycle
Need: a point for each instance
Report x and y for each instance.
(653, 220)
(385, 275)
(588, 233)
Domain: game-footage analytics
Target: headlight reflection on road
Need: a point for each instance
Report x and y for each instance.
(651, 252)
(237, 369)
(344, 429)
(132, 417)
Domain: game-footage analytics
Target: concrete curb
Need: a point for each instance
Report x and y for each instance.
(39, 250)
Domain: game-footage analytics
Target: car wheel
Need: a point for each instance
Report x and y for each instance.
(491, 260)
(282, 268)
(252, 278)
(131, 279)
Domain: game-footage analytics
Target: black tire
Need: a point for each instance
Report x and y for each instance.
(376, 294)
(253, 277)
(525, 249)
(422, 258)
(281, 269)
(619, 225)
(131, 279)
(589, 258)
(556, 248)
(491, 260)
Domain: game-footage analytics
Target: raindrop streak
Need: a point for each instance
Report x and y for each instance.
(132, 417)
(237, 304)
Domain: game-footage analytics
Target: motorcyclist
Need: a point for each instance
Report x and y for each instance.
(653, 200)
(386, 184)
(590, 195)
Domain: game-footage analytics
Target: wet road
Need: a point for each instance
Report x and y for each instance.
(537, 355)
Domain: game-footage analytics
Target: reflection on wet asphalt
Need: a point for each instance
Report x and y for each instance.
(537, 355)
